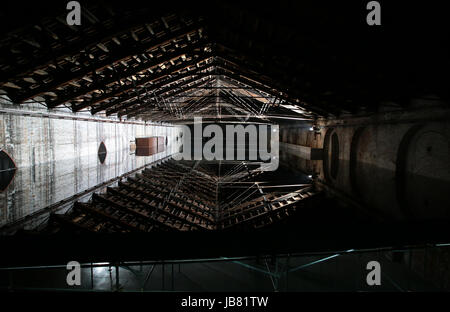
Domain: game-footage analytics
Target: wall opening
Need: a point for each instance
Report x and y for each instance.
(102, 152)
(7, 170)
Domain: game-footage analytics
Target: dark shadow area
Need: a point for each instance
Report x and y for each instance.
(7, 170)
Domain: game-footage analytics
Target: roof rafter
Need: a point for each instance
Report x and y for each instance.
(119, 54)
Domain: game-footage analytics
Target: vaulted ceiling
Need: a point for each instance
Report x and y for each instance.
(216, 60)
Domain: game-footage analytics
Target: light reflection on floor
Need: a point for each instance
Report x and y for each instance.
(342, 273)
(34, 188)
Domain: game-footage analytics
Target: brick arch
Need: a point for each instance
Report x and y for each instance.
(400, 171)
(326, 164)
(422, 191)
(354, 145)
(334, 165)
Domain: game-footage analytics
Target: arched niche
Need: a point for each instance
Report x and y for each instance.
(423, 172)
(102, 152)
(7, 170)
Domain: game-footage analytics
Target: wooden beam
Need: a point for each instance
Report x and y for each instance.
(152, 97)
(122, 25)
(142, 90)
(135, 111)
(119, 54)
(148, 220)
(106, 217)
(123, 74)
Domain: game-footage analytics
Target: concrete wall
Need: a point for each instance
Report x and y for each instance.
(394, 163)
(57, 158)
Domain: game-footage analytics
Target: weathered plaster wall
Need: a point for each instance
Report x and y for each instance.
(57, 158)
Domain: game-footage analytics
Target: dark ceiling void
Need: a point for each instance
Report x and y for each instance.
(171, 61)
(7, 170)
(102, 152)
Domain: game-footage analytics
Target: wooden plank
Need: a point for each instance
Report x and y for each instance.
(119, 54)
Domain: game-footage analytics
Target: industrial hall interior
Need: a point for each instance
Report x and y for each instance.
(107, 115)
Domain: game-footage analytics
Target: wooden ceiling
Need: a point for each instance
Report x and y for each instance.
(217, 60)
(187, 196)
